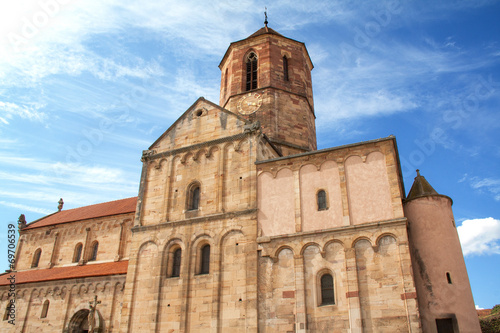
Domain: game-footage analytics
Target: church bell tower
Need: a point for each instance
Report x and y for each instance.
(267, 78)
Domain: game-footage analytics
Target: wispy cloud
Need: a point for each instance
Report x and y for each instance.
(26, 208)
(29, 111)
(480, 236)
(489, 185)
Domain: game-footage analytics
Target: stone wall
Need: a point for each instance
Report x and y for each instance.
(362, 185)
(65, 299)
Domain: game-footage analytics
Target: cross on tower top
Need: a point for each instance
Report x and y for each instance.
(265, 14)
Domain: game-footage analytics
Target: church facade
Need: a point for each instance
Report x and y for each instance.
(241, 225)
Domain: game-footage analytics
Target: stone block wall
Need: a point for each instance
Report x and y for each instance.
(362, 185)
(58, 242)
(371, 269)
(65, 299)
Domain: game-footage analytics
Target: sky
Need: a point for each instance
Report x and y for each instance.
(85, 86)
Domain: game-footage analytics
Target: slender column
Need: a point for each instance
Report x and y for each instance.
(343, 191)
(142, 190)
(26, 316)
(300, 295)
(120, 243)
(409, 292)
(220, 180)
(54, 252)
(67, 314)
(170, 182)
(352, 293)
(84, 257)
(298, 215)
(166, 188)
(187, 273)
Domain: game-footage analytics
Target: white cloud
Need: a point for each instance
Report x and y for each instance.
(480, 236)
(30, 111)
(479, 308)
(26, 208)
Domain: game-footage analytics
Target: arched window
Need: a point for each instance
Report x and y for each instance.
(93, 254)
(251, 71)
(77, 255)
(285, 68)
(205, 259)
(327, 294)
(193, 200)
(322, 200)
(6, 314)
(176, 263)
(36, 258)
(45, 309)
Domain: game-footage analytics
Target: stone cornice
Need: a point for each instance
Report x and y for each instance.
(194, 220)
(150, 155)
(343, 229)
(272, 87)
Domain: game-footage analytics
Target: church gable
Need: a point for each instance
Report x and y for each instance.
(204, 121)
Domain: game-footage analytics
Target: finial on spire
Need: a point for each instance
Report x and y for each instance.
(418, 173)
(60, 206)
(265, 14)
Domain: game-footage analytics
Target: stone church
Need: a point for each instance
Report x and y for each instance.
(242, 225)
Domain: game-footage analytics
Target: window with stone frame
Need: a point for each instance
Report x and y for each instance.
(94, 249)
(205, 259)
(176, 263)
(327, 290)
(36, 258)
(77, 255)
(193, 196)
(285, 68)
(45, 309)
(251, 71)
(322, 200)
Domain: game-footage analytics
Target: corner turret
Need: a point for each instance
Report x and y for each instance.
(444, 295)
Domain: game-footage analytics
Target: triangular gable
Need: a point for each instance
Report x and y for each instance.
(203, 121)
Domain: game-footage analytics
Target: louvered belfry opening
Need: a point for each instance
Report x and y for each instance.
(251, 72)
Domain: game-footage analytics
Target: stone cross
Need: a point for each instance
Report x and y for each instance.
(91, 318)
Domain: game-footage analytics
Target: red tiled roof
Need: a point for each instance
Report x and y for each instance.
(62, 273)
(87, 212)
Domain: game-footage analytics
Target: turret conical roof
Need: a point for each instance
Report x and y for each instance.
(420, 188)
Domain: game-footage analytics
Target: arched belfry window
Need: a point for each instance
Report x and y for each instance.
(176, 263)
(193, 197)
(93, 254)
(327, 293)
(77, 255)
(285, 68)
(251, 62)
(225, 81)
(321, 198)
(205, 259)
(36, 258)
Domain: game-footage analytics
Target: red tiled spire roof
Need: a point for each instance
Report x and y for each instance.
(63, 273)
(121, 206)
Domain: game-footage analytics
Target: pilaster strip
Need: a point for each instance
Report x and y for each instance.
(352, 293)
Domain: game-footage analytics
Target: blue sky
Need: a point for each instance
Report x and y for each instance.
(85, 86)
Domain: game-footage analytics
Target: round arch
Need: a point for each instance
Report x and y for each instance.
(79, 322)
